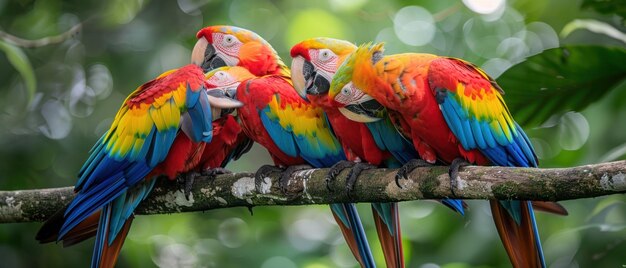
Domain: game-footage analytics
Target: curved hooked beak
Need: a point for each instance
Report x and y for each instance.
(205, 56)
(223, 100)
(367, 111)
(306, 79)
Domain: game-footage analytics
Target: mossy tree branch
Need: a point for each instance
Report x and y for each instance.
(309, 187)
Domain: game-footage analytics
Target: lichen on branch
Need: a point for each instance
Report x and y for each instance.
(378, 185)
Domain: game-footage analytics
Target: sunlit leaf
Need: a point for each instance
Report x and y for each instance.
(606, 6)
(20, 62)
(593, 26)
(561, 79)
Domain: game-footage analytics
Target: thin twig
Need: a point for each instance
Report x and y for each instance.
(49, 40)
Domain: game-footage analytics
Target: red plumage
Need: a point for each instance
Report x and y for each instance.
(257, 94)
(227, 135)
(355, 138)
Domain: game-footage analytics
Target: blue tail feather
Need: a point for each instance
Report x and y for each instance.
(384, 210)
(103, 227)
(531, 212)
(349, 217)
(454, 204)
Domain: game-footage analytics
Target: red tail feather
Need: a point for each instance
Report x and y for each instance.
(518, 240)
(392, 245)
(350, 240)
(111, 252)
(84, 230)
(550, 207)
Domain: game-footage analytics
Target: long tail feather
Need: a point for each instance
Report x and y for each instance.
(550, 207)
(455, 204)
(101, 236)
(112, 251)
(387, 220)
(349, 222)
(49, 232)
(105, 253)
(83, 231)
(519, 237)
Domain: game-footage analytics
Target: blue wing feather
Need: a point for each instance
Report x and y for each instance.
(105, 177)
(200, 116)
(283, 139)
(307, 147)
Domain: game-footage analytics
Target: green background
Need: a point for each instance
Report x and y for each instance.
(57, 99)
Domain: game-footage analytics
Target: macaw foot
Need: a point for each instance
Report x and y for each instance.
(213, 172)
(335, 170)
(262, 173)
(187, 180)
(455, 166)
(283, 181)
(404, 171)
(354, 175)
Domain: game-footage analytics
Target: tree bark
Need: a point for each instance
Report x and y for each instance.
(309, 187)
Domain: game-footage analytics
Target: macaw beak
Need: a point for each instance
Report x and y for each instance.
(365, 112)
(306, 79)
(205, 56)
(212, 60)
(298, 76)
(223, 100)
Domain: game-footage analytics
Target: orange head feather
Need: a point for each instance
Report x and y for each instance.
(223, 45)
(358, 69)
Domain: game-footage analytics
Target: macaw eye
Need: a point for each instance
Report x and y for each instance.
(345, 91)
(325, 55)
(229, 40)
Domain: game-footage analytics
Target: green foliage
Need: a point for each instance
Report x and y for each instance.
(82, 81)
(20, 62)
(314, 23)
(606, 6)
(568, 78)
(593, 26)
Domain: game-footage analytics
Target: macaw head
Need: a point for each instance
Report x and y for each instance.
(349, 94)
(221, 85)
(221, 45)
(314, 64)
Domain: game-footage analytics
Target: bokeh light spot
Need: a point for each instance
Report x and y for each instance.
(57, 120)
(496, 66)
(233, 232)
(315, 23)
(192, 7)
(573, 130)
(176, 255)
(414, 25)
(484, 6)
(346, 5)
(278, 261)
(100, 80)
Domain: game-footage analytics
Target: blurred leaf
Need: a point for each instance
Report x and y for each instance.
(122, 11)
(607, 6)
(593, 26)
(618, 152)
(20, 62)
(560, 80)
(314, 23)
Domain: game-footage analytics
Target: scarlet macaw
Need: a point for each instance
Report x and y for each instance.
(378, 143)
(123, 164)
(291, 129)
(455, 113)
